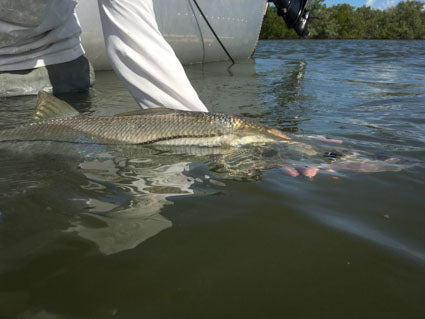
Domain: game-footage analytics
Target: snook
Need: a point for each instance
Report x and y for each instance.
(55, 120)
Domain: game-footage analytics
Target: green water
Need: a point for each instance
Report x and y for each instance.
(87, 231)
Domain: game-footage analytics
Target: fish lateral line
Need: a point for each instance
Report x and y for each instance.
(55, 120)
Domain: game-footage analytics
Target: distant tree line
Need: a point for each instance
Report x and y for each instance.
(404, 21)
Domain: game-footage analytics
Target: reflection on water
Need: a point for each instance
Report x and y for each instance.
(132, 185)
(123, 192)
(236, 89)
(126, 187)
(159, 232)
(287, 104)
(131, 220)
(412, 251)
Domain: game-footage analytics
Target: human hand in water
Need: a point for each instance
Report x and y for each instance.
(354, 162)
(308, 171)
(305, 171)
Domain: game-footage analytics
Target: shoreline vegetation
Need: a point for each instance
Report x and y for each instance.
(405, 21)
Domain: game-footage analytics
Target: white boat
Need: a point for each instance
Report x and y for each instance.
(237, 24)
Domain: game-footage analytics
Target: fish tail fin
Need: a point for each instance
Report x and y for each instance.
(49, 107)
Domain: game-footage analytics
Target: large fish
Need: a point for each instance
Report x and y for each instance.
(55, 120)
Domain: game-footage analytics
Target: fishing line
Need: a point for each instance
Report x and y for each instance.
(212, 30)
(200, 33)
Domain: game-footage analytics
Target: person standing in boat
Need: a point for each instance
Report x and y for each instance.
(40, 49)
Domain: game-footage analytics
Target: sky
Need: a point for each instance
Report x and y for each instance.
(375, 4)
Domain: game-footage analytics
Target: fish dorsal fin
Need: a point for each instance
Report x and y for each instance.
(50, 107)
(160, 110)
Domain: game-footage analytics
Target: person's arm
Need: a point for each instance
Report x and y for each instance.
(143, 59)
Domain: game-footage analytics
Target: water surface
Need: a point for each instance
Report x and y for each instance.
(92, 231)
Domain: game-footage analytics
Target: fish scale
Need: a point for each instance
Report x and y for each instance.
(57, 121)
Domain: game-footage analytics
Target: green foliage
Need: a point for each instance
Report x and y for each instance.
(404, 21)
(274, 27)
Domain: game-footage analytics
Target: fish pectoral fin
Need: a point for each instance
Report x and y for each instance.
(159, 110)
(49, 107)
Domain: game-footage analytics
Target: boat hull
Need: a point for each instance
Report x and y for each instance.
(236, 22)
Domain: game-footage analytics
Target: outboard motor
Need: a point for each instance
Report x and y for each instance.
(295, 14)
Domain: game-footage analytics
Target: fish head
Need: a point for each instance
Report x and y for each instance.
(278, 134)
(257, 135)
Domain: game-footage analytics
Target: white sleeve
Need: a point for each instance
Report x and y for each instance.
(143, 59)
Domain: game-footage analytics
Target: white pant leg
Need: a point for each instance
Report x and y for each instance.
(143, 59)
